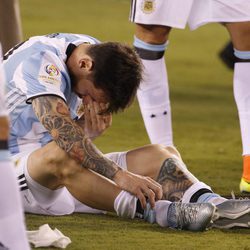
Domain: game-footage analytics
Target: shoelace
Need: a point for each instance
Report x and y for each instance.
(185, 214)
(240, 198)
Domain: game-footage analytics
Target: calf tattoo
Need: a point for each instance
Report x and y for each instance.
(54, 114)
(173, 180)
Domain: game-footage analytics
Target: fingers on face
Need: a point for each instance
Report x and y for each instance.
(103, 120)
(87, 115)
(95, 120)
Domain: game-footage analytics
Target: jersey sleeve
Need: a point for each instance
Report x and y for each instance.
(44, 74)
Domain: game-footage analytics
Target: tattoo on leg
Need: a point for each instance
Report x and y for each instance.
(173, 180)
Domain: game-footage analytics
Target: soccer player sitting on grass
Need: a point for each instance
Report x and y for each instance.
(61, 92)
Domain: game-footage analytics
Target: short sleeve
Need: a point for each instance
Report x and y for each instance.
(44, 73)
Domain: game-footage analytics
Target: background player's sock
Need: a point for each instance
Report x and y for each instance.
(153, 93)
(246, 168)
(227, 55)
(12, 229)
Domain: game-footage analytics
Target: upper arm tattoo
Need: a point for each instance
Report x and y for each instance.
(173, 180)
(54, 114)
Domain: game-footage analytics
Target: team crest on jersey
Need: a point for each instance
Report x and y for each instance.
(52, 70)
(148, 6)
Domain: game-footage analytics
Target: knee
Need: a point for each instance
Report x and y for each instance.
(162, 151)
(173, 151)
(153, 34)
(240, 34)
(61, 165)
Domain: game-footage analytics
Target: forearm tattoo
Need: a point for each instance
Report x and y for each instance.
(173, 180)
(54, 114)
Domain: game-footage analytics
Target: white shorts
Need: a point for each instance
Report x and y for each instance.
(56, 202)
(177, 13)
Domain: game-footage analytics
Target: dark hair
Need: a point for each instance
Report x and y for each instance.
(117, 71)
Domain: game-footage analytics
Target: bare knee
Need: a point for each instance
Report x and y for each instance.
(165, 151)
(240, 34)
(153, 34)
(173, 151)
(62, 165)
(51, 166)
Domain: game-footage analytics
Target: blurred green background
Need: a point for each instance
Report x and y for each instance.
(205, 122)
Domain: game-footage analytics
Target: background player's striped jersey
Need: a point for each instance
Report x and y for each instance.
(34, 68)
(2, 81)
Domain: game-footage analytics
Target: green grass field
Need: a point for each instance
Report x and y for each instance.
(205, 123)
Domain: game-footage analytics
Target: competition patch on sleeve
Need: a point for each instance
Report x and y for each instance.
(51, 74)
(148, 6)
(52, 70)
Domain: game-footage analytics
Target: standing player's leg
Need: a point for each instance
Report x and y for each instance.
(10, 24)
(153, 20)
(12, 229)
(150, 42)
(240, 34)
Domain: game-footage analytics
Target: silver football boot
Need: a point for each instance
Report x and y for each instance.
(232, 213)
(186, 216)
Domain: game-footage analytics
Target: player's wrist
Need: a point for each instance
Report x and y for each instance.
(119, 173)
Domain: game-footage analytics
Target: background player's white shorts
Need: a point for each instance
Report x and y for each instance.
(177, 13)
(57, 202)
(3, 111)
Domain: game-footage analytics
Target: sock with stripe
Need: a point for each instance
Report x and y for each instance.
(246, 168)
(153, 93)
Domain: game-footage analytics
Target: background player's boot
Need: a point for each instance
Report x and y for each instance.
(185, 216)
(245, 179)
(244, 186)
(232, 213)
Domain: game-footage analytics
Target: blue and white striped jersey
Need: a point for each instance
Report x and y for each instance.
(34, 68)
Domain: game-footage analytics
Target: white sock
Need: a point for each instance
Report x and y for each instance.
(125, 205)
(153, 98)
(192, 190)
(211, 198)
(206, 197)
(242, 98)
(12, 227)
(161, 211)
